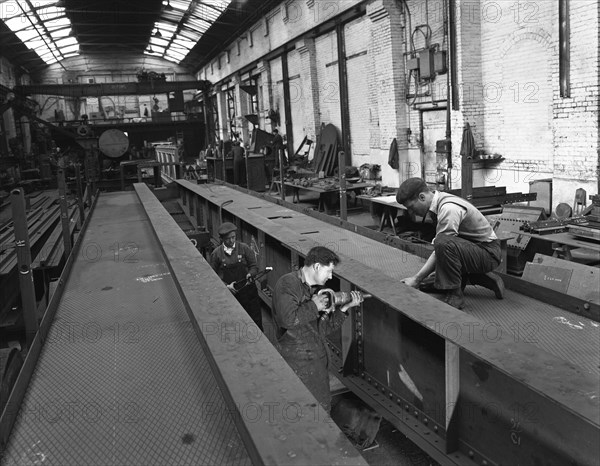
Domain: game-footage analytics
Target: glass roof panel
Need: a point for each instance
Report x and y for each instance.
(66, 42)
(200, 15)
(181, 23)
(176, 55)
(40, 27)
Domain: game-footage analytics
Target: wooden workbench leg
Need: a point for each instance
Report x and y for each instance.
(329, 202)
(391, 215)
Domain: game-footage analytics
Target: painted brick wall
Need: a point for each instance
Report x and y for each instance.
(287, 22)
(277, 91)
(296, 98)
(507, 67)
(328, 79)
(309, 89)
(358, 92)
(387, 89)
(518, 56)
(514, 104)
(575, 119)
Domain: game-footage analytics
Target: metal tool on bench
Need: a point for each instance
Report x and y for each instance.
(247, 281)
(554, 225)
(338, 298)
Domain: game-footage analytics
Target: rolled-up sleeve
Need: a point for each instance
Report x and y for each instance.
(291, 306)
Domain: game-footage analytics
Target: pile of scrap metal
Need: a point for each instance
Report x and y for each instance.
(326, 184)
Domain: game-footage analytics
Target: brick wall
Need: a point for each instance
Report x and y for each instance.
(358, 89)
(328, 79)
(512, 98)
(507, 68)
(277, 92)
(387, 89)
(575, 119)
(309, 88)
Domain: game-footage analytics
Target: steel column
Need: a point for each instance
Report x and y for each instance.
(23, 251)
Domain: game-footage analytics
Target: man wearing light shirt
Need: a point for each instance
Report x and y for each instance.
(465, 245)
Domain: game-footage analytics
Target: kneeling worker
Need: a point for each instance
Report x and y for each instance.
(234, 261)
(465, 245)
(301, 333)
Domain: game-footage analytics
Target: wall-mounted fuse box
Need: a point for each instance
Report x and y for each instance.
(412, 63)
(439, 62)
(426, 64)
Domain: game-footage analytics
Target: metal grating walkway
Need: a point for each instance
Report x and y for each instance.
(122, 378)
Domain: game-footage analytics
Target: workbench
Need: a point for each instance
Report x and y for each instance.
(139, 165)
(388, 212)
(214, 168)
(327, 197)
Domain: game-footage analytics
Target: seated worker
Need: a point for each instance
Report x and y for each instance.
(234, 261)
(301, 333)
(465, 245)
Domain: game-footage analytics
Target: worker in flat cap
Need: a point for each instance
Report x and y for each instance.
(235, 261)
(466, 249)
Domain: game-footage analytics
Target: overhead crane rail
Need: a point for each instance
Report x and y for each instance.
(453, 383)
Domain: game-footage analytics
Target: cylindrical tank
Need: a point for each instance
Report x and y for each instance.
(113, 143)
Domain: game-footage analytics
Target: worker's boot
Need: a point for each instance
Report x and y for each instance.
(489, 280)
(455, 298)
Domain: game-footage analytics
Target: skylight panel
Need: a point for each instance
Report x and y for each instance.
(176, 55)
(39, 28)
(193, 18)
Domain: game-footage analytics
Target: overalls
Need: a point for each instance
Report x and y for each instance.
(247, 296)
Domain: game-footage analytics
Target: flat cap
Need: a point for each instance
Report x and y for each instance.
(410, 189)
(226, 228)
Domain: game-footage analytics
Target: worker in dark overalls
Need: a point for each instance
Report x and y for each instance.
(235, 261)
(239, 164)
(301, 329)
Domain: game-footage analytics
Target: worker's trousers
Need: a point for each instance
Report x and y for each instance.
(457, 257)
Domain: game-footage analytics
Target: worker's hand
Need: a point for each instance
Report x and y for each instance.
(411, 281)
(249, 277)
(321, 301)
(357, 298)
(231, 287)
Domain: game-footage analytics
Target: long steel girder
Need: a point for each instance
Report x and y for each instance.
(103, 89)
(453, 383)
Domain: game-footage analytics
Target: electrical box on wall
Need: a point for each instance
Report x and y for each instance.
(442, 146)
(439, 62)
(412, 63)
(426, 64)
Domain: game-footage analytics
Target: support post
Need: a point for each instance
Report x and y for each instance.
(79, 195)
(343, 194)
(23, 250)
(64, 211)
(452, 390)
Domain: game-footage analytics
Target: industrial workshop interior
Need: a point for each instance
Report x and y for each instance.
(300, 232)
